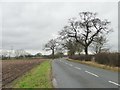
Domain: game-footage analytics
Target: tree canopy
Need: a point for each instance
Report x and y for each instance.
(85, 29)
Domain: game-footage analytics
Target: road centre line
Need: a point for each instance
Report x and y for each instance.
(77, 68)
(92, 73)
(70, 64)
(65, 63)
(114, 83)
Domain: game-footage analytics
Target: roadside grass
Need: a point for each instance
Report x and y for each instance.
(38, 77)
(95, 64)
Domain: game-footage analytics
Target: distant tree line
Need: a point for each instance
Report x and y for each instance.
(17, 54)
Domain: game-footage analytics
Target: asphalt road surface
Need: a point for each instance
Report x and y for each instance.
(68, 74)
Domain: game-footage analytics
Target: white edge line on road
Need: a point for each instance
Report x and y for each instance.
(114, 83)
(92, 73)
(54, 83)
(77, 68)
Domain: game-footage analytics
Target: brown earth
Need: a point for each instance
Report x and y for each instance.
(12, 69)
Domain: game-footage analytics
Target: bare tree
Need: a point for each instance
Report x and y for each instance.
(4, 54)
(51, 45)
(21, 53)
(85, 29)
(38, 54)
(72, 46)
(99, 44)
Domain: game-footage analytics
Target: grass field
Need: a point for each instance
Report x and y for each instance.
(94, 64)
(38, 77)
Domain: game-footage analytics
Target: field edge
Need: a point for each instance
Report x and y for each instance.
(28, 75)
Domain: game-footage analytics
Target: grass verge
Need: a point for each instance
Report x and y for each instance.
(94, 64)
(38, 77)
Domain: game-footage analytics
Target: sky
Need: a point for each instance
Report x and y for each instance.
(29, 25)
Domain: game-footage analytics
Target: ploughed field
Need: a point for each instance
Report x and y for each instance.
(12, 69)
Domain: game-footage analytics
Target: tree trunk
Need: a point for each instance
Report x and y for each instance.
(86, 50)
(53, 53)
(86, 54)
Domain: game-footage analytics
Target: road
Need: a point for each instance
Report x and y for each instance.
(68, 74)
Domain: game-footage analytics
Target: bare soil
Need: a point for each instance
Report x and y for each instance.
(12, 69)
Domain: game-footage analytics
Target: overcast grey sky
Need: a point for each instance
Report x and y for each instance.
(27, 25)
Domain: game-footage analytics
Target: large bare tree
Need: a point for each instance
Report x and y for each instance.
(85, 29)
(51, 45)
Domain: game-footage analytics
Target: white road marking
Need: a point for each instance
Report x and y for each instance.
(54, 83)
(92, 73)
(70, 64)
(77, 68)
(65, 63)
(114, 83)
